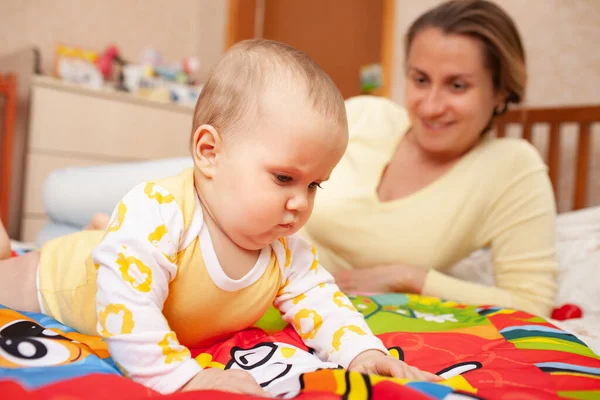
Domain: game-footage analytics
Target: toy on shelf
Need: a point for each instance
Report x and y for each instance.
(152, 78)
(371, 78)
(180, 72)
(77, 65)
(107, 60)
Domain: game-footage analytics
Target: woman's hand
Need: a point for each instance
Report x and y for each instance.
(382, 279)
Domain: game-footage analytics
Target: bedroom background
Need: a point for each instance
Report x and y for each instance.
(60, 125)
(560, 37)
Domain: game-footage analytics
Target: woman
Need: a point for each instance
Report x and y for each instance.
(419, 190)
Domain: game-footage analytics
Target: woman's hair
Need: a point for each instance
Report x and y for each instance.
(481, 19)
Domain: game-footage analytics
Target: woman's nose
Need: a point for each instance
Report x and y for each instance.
(433, 104)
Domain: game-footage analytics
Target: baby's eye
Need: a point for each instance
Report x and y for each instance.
(315, 185)
(283, 178)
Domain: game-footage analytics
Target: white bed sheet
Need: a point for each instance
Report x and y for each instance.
(578, 257)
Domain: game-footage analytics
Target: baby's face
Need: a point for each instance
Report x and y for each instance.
(269, 173)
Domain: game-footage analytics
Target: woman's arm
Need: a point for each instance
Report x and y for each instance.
(519, 226)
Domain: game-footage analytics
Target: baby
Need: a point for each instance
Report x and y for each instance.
(189, 260)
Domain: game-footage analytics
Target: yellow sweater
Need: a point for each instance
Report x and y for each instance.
(498, 195)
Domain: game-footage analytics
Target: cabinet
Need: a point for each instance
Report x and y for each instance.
(72, 126)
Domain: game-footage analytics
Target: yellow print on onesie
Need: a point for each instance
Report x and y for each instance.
(350, 330)
(342, 301)
(172, 349)
(315, 263)
(156, 195)
(288, 254)
(206, 361)
(155, 239)
(299, 298)
(307, 323)
(135, 272)
(115, 225)
(115, 319)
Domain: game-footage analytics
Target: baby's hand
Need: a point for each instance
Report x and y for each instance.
(229, 380)
(378, 363)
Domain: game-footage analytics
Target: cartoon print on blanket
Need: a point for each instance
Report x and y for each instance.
(482, 352)
(37, 350)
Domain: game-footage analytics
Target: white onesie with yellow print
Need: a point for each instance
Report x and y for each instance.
(160, 288)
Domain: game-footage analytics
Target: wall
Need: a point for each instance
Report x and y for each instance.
(177, 28)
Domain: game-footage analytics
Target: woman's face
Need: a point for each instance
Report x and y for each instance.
(449, 93)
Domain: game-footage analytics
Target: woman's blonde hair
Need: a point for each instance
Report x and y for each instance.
(481, 19)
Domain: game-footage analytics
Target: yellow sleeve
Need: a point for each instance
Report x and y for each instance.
(519, 226)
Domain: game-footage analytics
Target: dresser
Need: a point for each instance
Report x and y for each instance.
(73, 126)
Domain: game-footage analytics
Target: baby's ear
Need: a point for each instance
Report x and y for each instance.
(206, 146)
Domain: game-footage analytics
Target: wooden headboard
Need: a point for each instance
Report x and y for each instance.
(23, 63)
(8, 92)
(583, 117)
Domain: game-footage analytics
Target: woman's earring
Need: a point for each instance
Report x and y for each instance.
(500, 111)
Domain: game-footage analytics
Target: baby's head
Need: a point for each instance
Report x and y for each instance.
(269, 127)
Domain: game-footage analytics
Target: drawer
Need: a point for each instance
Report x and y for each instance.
(100, 125)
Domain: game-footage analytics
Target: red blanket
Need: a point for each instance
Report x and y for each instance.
(483, 352)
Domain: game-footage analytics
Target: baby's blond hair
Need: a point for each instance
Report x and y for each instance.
(238, 81)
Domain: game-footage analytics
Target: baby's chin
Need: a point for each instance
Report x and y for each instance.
(259, 242)
(255, 243)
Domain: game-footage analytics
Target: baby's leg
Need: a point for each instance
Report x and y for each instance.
(18, 282)
(4, 243)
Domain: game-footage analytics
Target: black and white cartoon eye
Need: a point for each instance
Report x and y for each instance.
(252, 358)
(459, 369)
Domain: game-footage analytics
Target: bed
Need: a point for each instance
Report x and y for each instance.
(482, 352)
(569, 141)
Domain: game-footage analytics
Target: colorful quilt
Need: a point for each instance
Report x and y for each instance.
(482, 352)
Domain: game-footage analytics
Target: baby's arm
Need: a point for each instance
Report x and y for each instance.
(321, 314)
(328, 322)
(136, 262)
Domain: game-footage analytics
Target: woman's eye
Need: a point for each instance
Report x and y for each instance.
(459, 86)
(283, 178)
(315, 185)
(419, 80)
